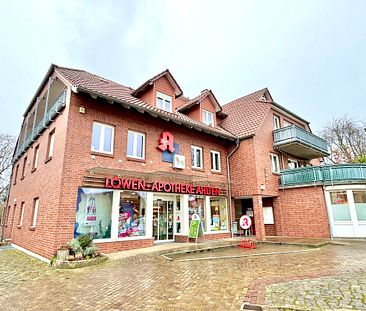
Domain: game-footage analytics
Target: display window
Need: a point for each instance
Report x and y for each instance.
(132, 214)
(340, 206)
(218, 211)
(196, 206)
(360, 203)
(94, 213)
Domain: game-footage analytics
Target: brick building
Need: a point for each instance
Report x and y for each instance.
(133, 166)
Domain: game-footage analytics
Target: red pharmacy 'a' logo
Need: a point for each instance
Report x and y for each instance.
(166, 142)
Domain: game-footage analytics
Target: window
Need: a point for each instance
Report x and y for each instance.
(340, 206)
(94, 213)
(35, 212)
(163, 101)
(21, 213)
(293, 164)
(51, 144)
(286, 123)
(132, 217)
(196, 206)
(360, 203)
(136, 145)
(218, 214)
(8, 215)
(102, 138)
(24, 165)
(35, 157)
(196, 153)
(275, 163)
(276, 122)
(207, 118)
(16, 174)
(215, 161)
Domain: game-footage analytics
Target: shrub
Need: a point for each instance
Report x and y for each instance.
(83, 245)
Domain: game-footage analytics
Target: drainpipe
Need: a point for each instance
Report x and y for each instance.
(237, 142)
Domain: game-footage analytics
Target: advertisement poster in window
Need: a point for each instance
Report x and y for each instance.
(91, 212)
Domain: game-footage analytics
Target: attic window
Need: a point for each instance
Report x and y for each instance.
(163, 102)
(207, 118)
(263, 98)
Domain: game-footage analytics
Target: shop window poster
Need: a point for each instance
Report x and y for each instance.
(91, 212)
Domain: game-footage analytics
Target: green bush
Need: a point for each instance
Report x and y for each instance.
(83, 245)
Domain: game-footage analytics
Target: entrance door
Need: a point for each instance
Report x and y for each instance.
(163, 220)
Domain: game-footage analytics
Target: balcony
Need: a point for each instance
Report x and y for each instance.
(324, 175)
(52, 112)
(300, 143)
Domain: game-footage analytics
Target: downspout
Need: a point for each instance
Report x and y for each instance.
(237, 142)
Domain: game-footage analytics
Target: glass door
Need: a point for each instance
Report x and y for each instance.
(163, 221)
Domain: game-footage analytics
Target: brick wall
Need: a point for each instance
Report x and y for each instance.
(301, 212)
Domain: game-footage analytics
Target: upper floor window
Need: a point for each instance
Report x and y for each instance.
(286, 123)
(164, 101)
(21, 214)
(207, 118)
(275, 163)
(136, 145)
(293, 164)
(102, 138)
(215, 161)
(196, 153)
(35, 157)
(276, 122)
(51, 144)
(24, 165)
(16, 174)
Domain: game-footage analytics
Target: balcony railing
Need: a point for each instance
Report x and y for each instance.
(295, 140)
(324, 175)
(53, 110)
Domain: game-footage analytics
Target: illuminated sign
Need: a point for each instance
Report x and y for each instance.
(157, 186)
(166, 142)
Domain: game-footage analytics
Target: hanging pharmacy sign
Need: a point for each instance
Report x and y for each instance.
(157, 186)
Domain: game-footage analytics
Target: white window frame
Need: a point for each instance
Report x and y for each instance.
(205, 114)
(165, 98)
(35, 211)
(51, 145)
(22, 205)
(275, 159)
(103, 126)
(276, 122)
(194, 160)
(294, 162)
(268, 218)
(213, 153)
(134, 145)
(36, 156)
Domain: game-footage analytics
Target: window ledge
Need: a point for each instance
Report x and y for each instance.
(32, 228)
(21, 178)
(136, 160)
(19, 226)
(277, 174)
(111, 240)
(48, 160)
(216, 172)
(102, 154)
(197, 169)
(33, 169)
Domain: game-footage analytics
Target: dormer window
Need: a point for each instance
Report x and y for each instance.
(207, 118)
(164, 101)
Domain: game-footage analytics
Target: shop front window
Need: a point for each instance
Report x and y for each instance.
(340, 206)
(94, 213)
(132, 214)
(196, 206)
(360, 203)
(218, 214)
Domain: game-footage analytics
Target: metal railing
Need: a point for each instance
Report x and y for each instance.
(326, 175)
(294, 133)
(53, 110)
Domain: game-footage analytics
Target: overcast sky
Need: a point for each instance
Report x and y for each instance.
(310, 54)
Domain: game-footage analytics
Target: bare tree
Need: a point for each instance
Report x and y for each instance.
(7, 144)
(346, 138)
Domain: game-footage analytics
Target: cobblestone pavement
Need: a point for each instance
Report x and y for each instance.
(149, 282)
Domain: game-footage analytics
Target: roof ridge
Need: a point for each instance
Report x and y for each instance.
(234, 100)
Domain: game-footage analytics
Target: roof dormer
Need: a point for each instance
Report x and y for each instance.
(160, 91)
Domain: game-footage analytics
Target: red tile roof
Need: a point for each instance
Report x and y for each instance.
(246, 114)
(194, 101)
(86, 82)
